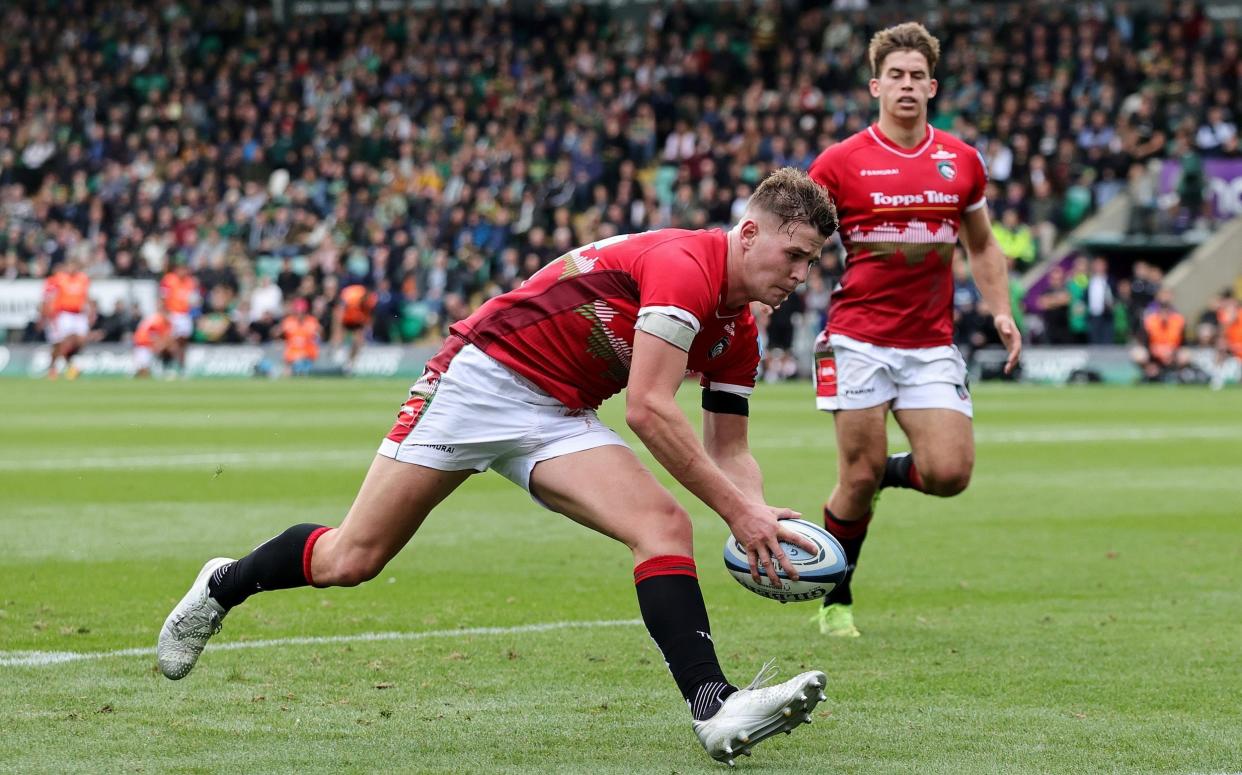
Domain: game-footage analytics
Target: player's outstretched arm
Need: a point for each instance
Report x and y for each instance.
(990, 269)
(651, 411)
(726, 440)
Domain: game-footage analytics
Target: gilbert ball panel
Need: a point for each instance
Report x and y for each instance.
(818, 573)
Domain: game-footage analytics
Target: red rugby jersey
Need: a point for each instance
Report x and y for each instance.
(570, 328)
(900, 211)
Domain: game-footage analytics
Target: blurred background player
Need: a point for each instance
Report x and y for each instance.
(351, 316)
(181, 295)
(153, 338)
(66, 313)
(302, 334)
(903, 191)
(515, 388)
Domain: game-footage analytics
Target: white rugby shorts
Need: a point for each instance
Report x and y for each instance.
(143, 357)
(479, 415)
(67, 324)
(182, 325)
(856, 375)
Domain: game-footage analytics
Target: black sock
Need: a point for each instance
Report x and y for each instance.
(899, 471)
(676, 617)
(276, 564)
(851, 536)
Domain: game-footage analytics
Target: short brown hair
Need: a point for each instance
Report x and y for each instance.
(910, 36)
(792, 196)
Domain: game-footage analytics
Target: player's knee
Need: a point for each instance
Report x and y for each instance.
(667, 532)
(946, 481)
(862, 479)
(351, 568)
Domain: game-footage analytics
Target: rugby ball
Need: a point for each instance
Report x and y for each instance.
(818, 573)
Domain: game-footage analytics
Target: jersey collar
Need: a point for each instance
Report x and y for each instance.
(882, 140)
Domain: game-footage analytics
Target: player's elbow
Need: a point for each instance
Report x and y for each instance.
(639, 416)
(643, 414)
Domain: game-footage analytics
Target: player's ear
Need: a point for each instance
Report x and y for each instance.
(934, 86)
(874, 85)
(749, 230)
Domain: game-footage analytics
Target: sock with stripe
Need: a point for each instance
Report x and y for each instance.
(280, 563)
(676, 617)
(851, 536)
(900, 471)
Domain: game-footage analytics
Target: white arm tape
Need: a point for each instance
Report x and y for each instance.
(671, 329)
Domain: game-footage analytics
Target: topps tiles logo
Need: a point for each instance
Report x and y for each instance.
(928, 197)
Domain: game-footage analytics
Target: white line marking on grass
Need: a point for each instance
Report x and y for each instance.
(361, 458)
(191, 460)
(45, 658)
(1035, 436)
(1072, 435)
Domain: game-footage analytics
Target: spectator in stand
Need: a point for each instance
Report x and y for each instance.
(779, 362)
(1125, 324)
(1076, 284)
(116, 325)
(1099, 304)
(1015, 238)
(1053, 307)
(183, 147)
(968, 324)
(1144, 287)
(1209, 327)
(1215, 132)
(266, 298)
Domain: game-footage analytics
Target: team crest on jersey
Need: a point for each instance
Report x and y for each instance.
(947, 169)
(719, 347)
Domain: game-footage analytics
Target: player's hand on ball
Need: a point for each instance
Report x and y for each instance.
(759, 531)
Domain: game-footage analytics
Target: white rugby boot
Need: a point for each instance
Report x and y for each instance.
(751, 715)
(186, 630)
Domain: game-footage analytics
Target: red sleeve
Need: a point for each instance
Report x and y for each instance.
(735, 370)
(823, 170)
(978, 178)
(672, 275)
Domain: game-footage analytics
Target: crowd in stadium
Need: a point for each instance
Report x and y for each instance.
(439, 159)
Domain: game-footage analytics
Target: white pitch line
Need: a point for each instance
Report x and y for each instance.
(1032, 436)
(190, 460)
(361, 458)
(46, 658)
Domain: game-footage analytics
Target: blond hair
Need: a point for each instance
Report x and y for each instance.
(910, 36)
(792, 196)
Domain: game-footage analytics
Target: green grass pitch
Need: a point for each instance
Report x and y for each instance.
(1078, 609)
